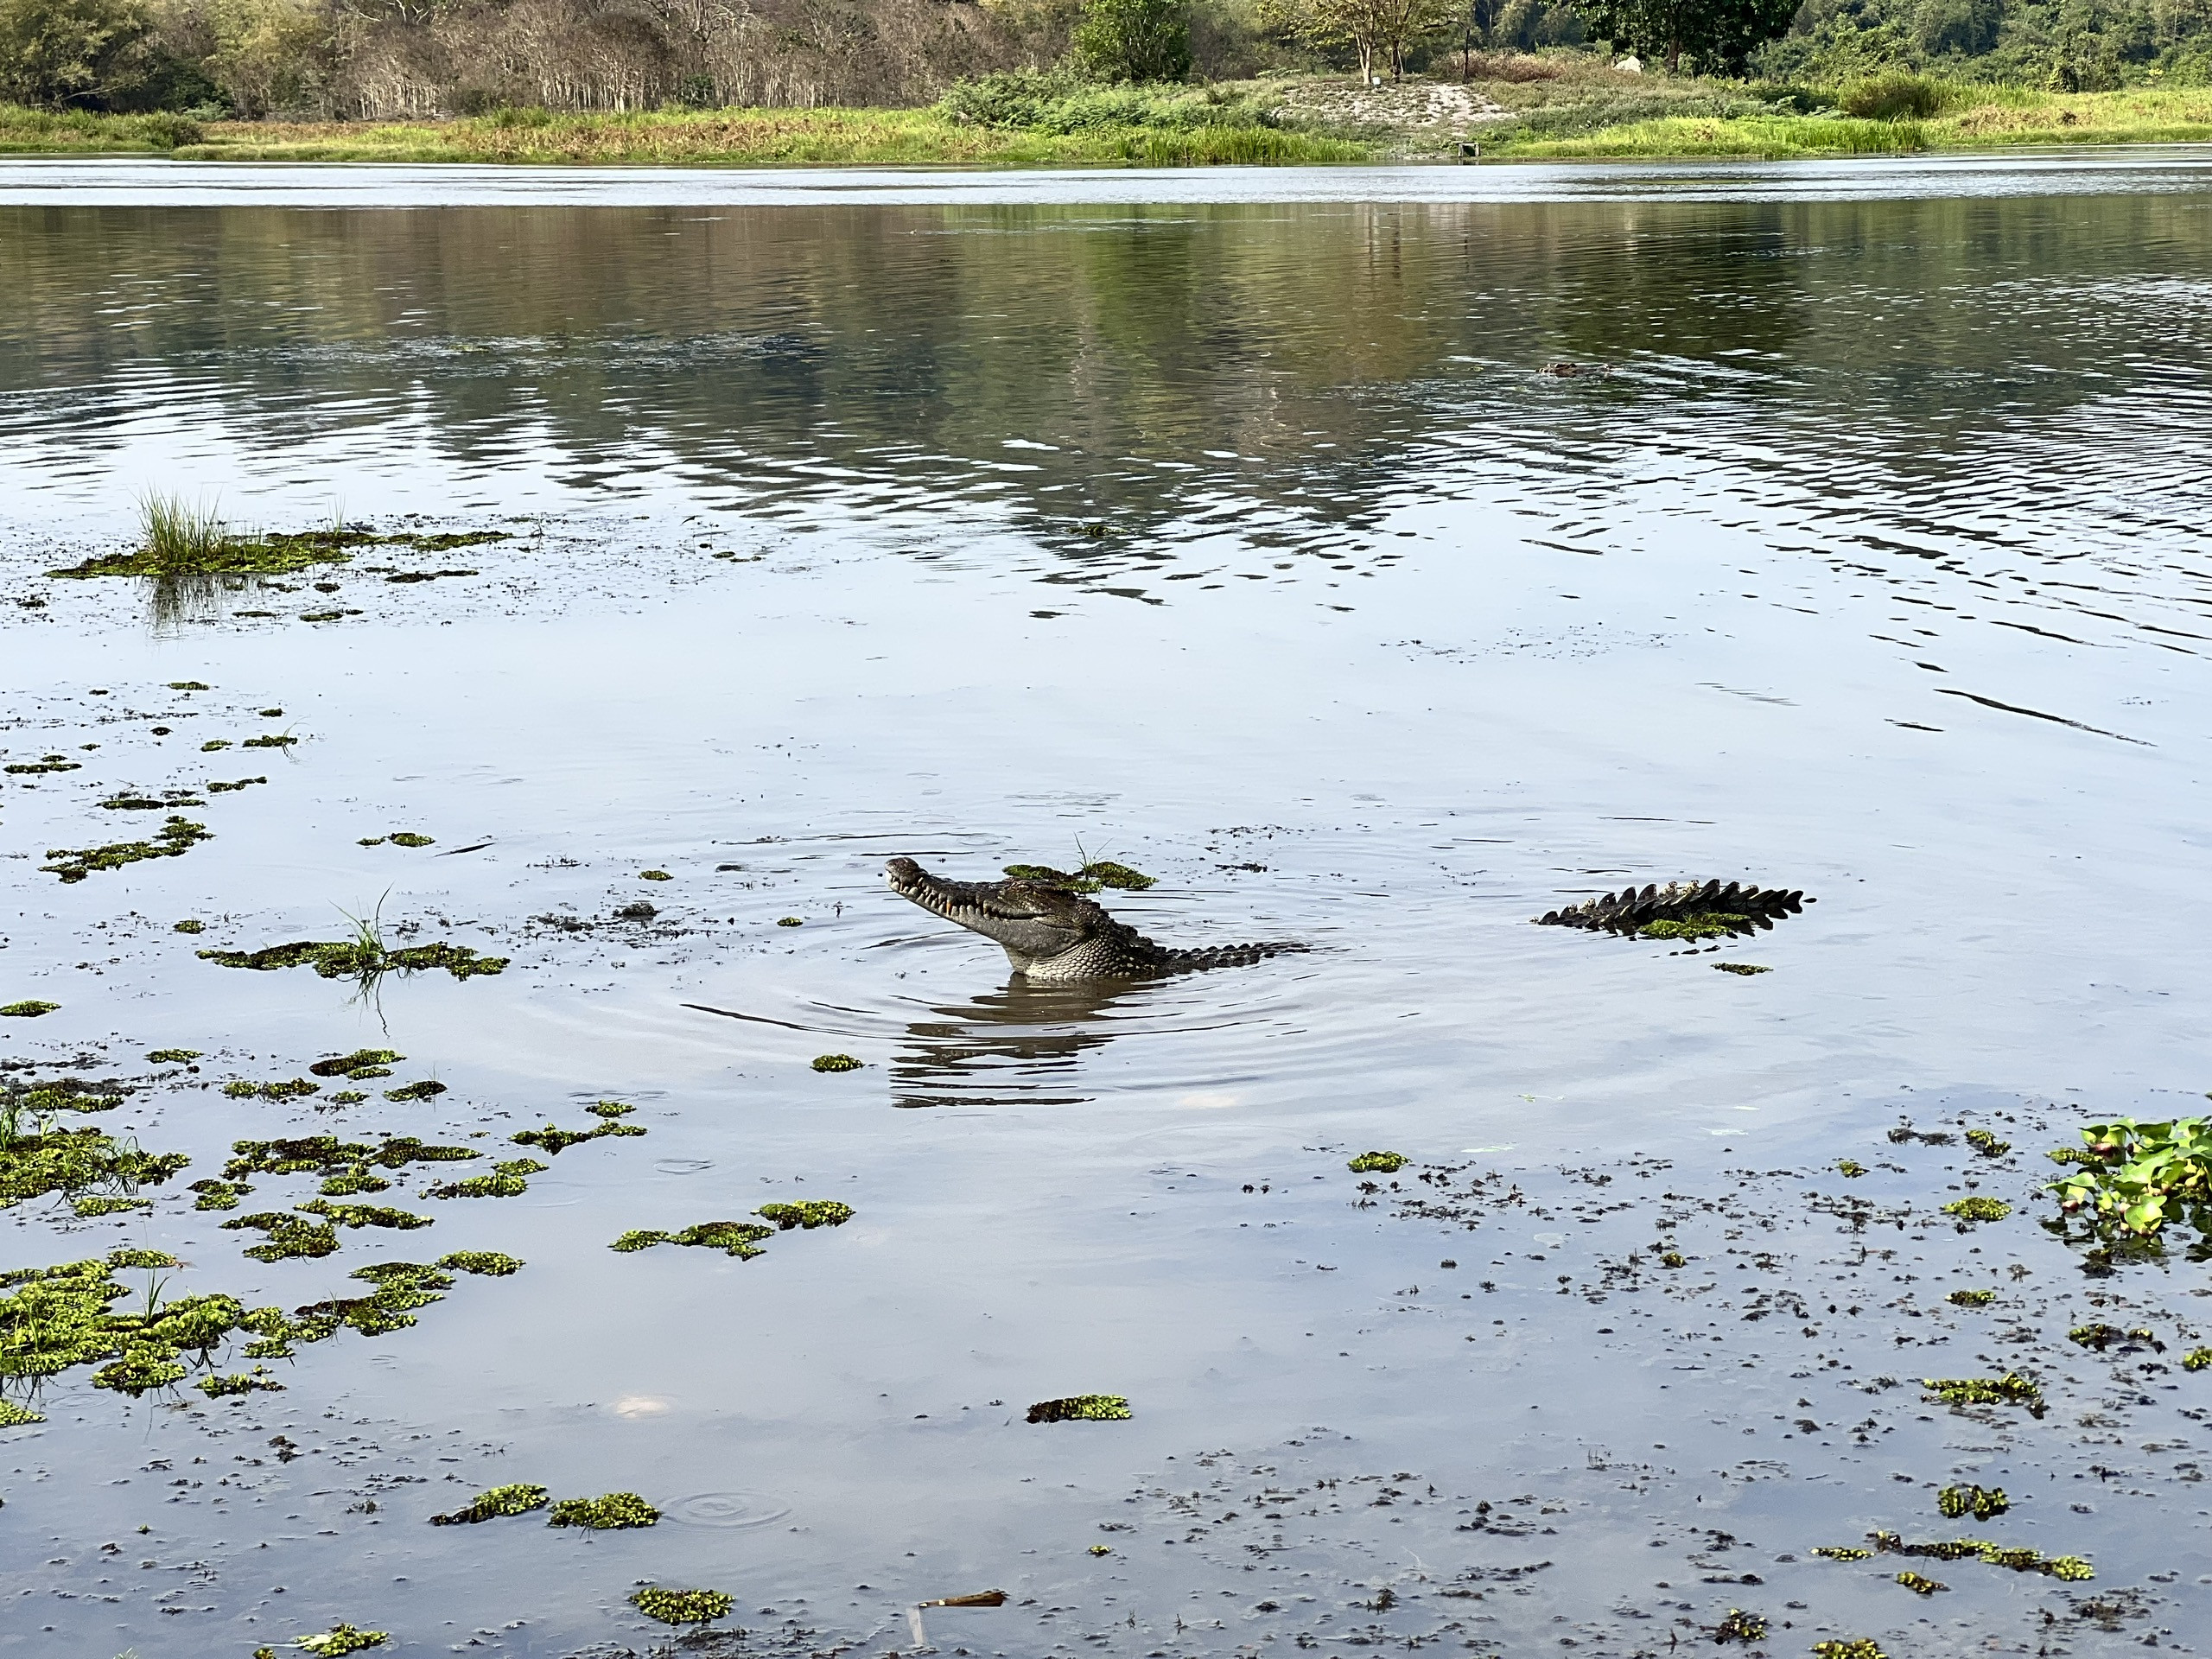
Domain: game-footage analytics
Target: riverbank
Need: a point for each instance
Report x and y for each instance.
(1581, 112)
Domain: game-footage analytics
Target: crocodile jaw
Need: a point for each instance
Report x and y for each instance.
(1033, 925)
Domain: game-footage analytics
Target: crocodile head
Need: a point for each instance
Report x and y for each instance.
(1032, 922)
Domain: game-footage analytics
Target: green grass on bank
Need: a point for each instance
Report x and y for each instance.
(1593, 116)
(1965, 118)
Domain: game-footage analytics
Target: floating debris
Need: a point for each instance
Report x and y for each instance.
(1851, 1647)
(981, 1599)
(190, 925)
(1850, 1168)
(680, 1606)
(613, 1511)
(341, 1639)
(274, 739)
(518, 1499)
(48, 763)
(409, 838)
(1919, 1584)
(1987, 1144)
(233, 788)
(655, 876)
(2071, 1568)
(1080, 1408)
(1743, 968)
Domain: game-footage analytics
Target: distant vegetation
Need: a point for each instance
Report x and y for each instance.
(1061, 81)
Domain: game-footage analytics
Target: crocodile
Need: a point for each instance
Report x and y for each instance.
(1052, 936)
(1680, 910)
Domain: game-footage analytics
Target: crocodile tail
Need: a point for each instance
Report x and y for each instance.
(1228, 955)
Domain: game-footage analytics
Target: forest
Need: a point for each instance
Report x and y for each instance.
(383, 61)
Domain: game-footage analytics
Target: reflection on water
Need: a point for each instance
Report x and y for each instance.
(1020, 1045)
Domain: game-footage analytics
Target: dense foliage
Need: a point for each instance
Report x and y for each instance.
(1717, 36)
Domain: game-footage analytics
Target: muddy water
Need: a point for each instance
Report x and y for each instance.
(1244, 542)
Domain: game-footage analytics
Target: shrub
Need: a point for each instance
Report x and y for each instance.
(1133, 40)
(1894, 96)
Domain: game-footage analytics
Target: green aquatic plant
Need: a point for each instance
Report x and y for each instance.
(341, 1639)
(172, 1056)
(364, 1215)
(31, 1008)
(190, 685)
(1987, 1144)
(88, 1209)
(2100, 1337)
(2071, 1568)
(1919, 1584)
(297, 1089)
(1736, 1625)
(491, 1264)
(2135, 1178)
(1850, 1168)
(228, 789)
(362, 1062)
(836, 1063)
(429, 1089)
(55, 1319)
(218, 1195)
(1971, 1298)
(1082, 1408)
(1377, 1163)
(609, 1109)
(1699, 924)
(507, 1180)
(498, 1502)
(655, 876)
(1843, 1552)
(1743, 968)
(239, 1383)
(807, 1212)
(739, 1238)
(289, 1237)
(2010, 1390)
(1978, 1209)
(14, 1416)
(1983, 1503)
(791, 921)
(1849, 1647)
(326, 1153)
(349, 1183)
(39, 768)
(409, 838)
(177, 836)
(680, 1606)
(215, 745)
(350, 959)
(76, 1164)
(614, 1509)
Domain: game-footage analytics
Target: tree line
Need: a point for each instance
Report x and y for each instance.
(383, 60)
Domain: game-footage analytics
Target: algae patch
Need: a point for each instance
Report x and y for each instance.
(177, 836)
(30, 1008)
(680, 1606)
(358, 959)
(614, 1509)
(1081, 1409)
(507, 1180)
(1377, 1163)
(836, 1063)
(516, 1499)
(738, 1238)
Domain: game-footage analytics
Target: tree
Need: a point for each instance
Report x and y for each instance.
(55, 52)
(1718, 34)
(1133, 40)
(1368, 26)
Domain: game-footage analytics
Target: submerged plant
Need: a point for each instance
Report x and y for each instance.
(680, 1606)
(615, 1509)
(1082, 1408)
(518, 1499)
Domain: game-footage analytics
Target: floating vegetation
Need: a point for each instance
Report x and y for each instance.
(429, 1089)
(362, 1062)
(218, 1195)
(239, 1383)
(554, 1140)
(62, 1095)
(791, 921)
(489, 1264)
(1843, 1553)
(1983, 1503)
(1971, 1298)
(1987, 1144)
(297, 1089)
(323, 1155)
(190, 925)
(176, 836)
(62, 1317)
(1736, 1625)
(185, 541)
(808, 1213)
(1850, 1168)
(2137, 1176)
(1743, 968)
(358, 959)
(604, 1513)
(128, 802)
(739, 1238)
(14, 1416)
(1978, 1209)
(1919, 1584)
(2100, 1337)
(272, 741)
(43, 764)
(507, 1180)
(409, 838)
(655, 876)
(518, 1499)
(342, 1639)
(836, 1063)
(88, 1209)
(30, 1008)
(364, 1215)
(1699, 924)
(347, 1183)
(1081, 1409)
(75, 1163)
(1849, 1647)
(1377, 1163)
(2010, 1390)
(2071, 1568)
(172, 1056)
(610, 1108)
(214, 745)
(289, 1237)
(680, 1606)
(347, 1097)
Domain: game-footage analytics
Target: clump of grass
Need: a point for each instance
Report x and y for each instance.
(615, 1509)
(179, 538)
(1082, 1408)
